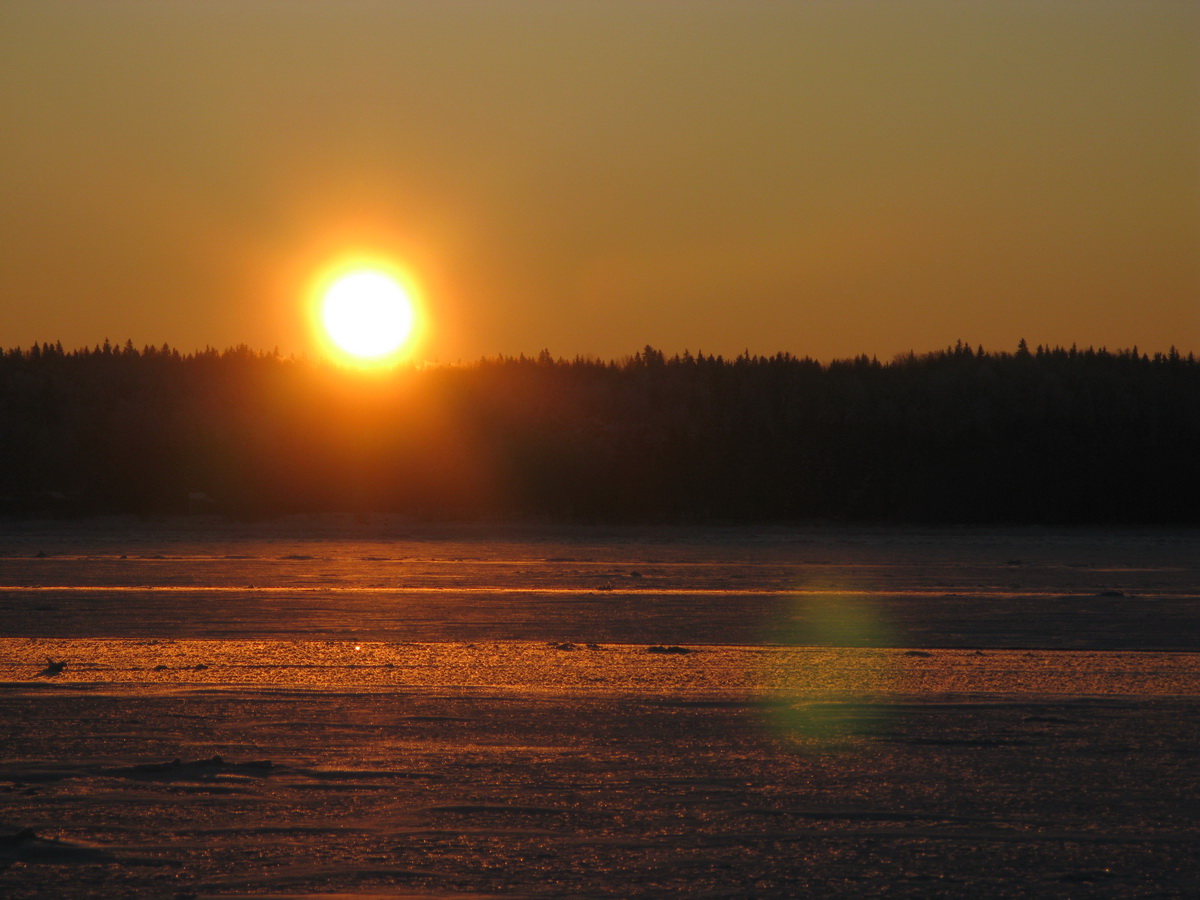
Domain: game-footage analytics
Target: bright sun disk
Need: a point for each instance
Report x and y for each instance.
(367, 315)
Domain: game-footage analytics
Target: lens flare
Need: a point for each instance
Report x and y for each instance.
(832, 702)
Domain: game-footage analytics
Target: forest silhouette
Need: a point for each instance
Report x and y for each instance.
(1051, 435)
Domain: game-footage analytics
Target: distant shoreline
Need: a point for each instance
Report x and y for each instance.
(963, 436)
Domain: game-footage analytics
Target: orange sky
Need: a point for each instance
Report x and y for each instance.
(827, 178)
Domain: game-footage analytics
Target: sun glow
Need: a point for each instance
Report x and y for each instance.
(366, 315)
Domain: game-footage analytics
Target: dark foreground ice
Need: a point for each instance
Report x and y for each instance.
(382, 709)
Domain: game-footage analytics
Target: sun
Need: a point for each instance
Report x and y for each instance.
(367, 316)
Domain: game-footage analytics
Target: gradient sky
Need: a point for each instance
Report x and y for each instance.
(827, 177)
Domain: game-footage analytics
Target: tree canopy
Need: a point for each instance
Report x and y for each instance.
(1048, 435)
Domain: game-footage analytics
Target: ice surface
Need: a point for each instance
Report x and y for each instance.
(366, 709)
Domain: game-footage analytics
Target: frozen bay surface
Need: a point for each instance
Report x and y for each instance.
(331, 578)
(385, 708)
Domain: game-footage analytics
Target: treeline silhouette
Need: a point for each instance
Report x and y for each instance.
(960, 435)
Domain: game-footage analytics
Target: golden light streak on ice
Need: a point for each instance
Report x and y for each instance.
(774, 676)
